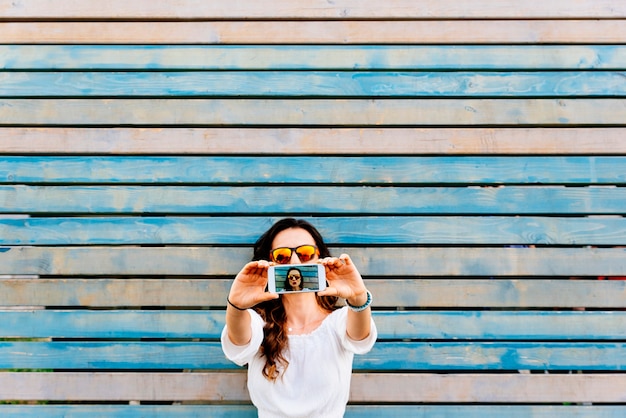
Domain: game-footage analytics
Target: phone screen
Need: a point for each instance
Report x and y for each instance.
(291, 278)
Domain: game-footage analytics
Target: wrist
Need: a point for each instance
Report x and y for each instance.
(358, 299)
(360, 303)
(235, 306)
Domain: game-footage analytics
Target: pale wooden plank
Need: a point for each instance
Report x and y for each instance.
(402, 261)
(456, 325)
(311, 9)
(384, 356)
(313, 112)
(312, 200)
(352, 411)
(321, 84)
(489, 388)
(115, 292)
(351, 230)
(438, 293)
(593, 31)
(379, 387)
(312, 57)
(212, 292)
(322, 141)
(387, 170)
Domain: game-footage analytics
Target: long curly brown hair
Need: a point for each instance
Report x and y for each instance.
(275, 340)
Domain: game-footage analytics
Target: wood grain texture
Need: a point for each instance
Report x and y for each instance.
(314, 112)
(374, 261)
(381, 387)
(341, 32)
(316, 9)
(407, 293)
(352, 411)
(443, 325)
(280, 170)
(352, 230)
(318, 141)
(311, 84)
(312, 57)
(312, 200)
(384, 356)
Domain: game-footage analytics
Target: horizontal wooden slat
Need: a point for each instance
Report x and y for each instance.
(312, 84)
(321, 141)
(437, 230)
(380, 387)
(115, 355)
(439, 293)
(308, 200)
(312, 57)
(392, 325)
(480, 170)
(456, 32)
(313, 112)
(352, 411)
(508, 355)
(371, 261)
(312, 9)
(156, 411)
(384, 356)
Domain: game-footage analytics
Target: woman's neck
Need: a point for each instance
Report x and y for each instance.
(302, 309)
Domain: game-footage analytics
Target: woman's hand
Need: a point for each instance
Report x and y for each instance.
(248, 288)
(344, 280)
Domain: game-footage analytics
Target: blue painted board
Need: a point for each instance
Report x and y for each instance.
(384, 356)
(309, 200)
(341, 230)
(546, 325)
(478, 170)
(312, 57)
(352, 411)
(313, 84)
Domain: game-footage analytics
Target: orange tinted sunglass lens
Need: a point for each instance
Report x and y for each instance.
(306, 252)
(281, 255)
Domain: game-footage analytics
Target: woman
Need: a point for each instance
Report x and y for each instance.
(298, 346)
(293, 281)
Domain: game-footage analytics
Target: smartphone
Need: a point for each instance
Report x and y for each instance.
(293, 278)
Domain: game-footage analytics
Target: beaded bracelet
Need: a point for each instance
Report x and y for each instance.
(363, 307)
(235, 306)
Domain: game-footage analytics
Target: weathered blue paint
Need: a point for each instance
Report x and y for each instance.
(312, 84)
(312, 57)
(308, 200)
(416, 170)
(401, 356)
(392, 325)
(352, 411)
(338, 230)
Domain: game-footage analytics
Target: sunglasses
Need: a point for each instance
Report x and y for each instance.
(282, 255)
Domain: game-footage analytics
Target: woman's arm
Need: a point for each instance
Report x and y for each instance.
(247, 290)
(345, 281)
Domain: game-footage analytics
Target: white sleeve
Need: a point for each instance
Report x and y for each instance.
(243, 354)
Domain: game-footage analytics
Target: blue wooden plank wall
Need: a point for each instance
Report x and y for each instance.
(470, 156)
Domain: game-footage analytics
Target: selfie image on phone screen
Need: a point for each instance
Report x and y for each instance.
(296, 278)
